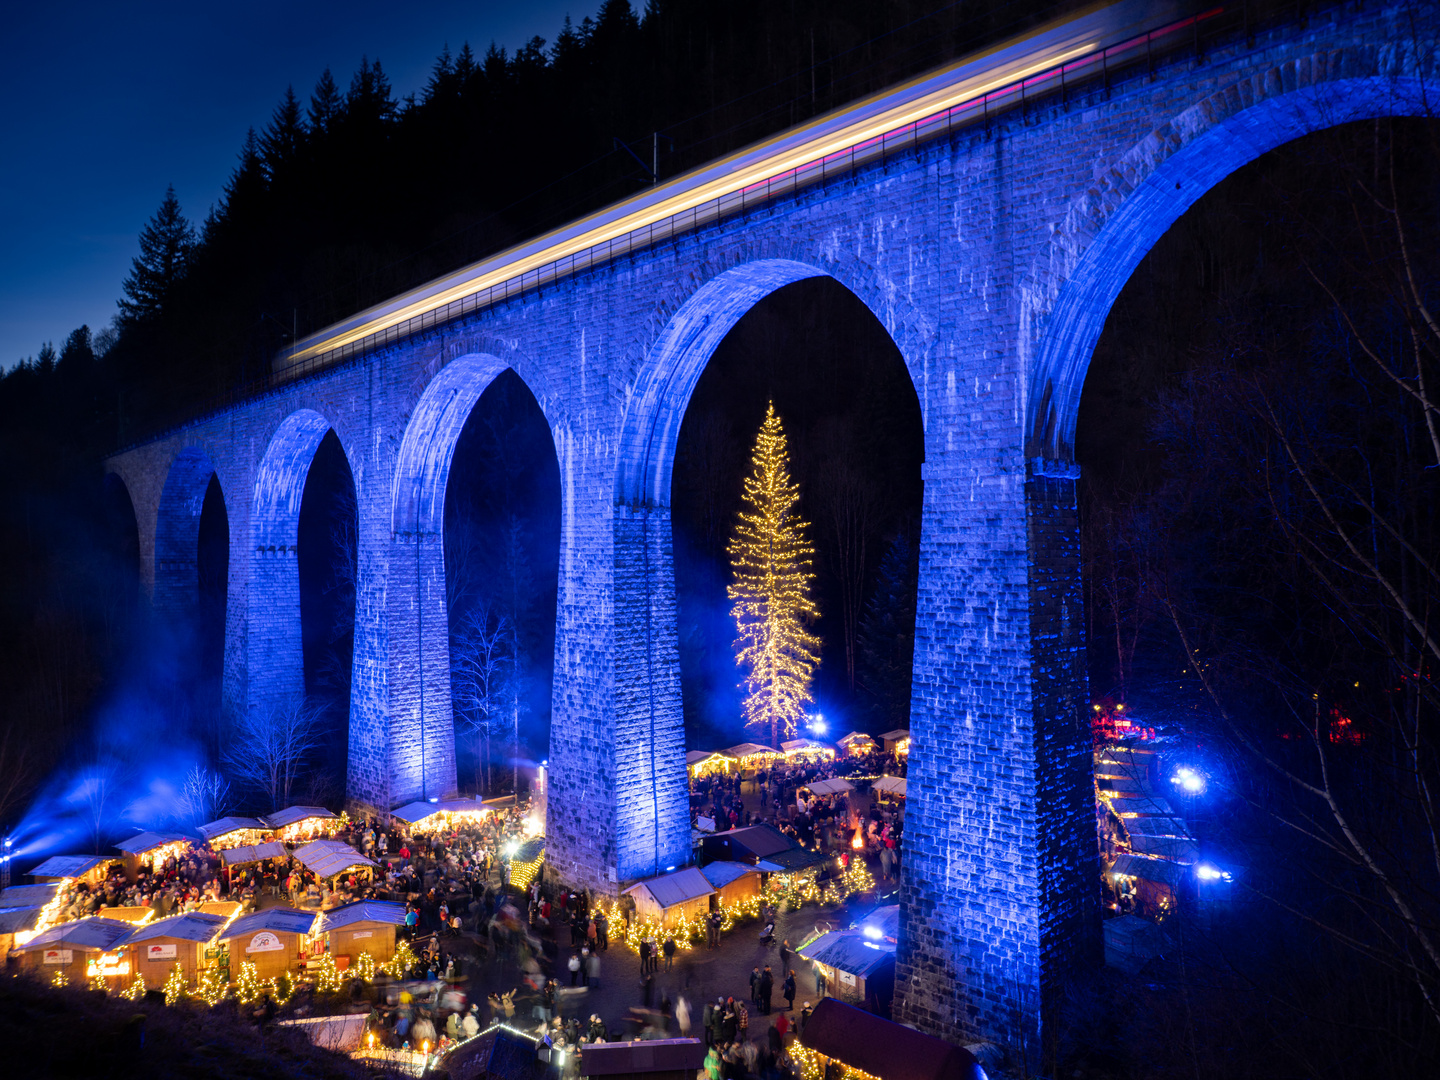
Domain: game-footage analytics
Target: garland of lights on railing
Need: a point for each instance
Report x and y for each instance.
(812, 1065)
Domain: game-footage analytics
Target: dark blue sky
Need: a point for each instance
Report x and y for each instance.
(106, 103)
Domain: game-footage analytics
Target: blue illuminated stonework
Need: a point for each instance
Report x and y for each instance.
(992, 259)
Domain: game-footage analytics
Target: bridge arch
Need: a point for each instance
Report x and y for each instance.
(1109, 230)
(276, 664)
(177, 532)
(422, 760)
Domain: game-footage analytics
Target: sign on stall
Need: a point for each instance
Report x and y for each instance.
(363, 933)
(59, 956)
(264, 942)
(160, 952)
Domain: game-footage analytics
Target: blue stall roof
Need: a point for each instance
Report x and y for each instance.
(362, 911)
(846, 950)
(671, 889)
(291, 814)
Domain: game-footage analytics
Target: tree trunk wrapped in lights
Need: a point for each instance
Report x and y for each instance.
(771, 560)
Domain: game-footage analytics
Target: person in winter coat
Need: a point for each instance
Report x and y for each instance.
(766, 988)
(788, 991)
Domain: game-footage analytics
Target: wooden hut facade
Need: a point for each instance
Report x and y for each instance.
(157, 947)
(672, 898)
(275, 940)
(366, 926)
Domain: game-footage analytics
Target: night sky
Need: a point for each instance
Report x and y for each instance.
(107, 104)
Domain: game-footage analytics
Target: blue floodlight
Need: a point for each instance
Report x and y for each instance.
(1188, 780)
(1206, 872)
(872, 932)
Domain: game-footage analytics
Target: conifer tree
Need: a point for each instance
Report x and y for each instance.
(325, 104)
(166, 245)
(771, 559)
(284, 138)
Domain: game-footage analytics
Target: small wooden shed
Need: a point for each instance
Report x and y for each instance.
(274, 939)
(670, 898)
(897, 741)
(157, 947)
(228, 832)
(856, 744)
(147, 848)
(366, 926)
(71, 946)
(733, 882)
(91, 869)
(297, 823)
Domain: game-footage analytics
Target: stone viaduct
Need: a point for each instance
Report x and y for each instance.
(992, 250)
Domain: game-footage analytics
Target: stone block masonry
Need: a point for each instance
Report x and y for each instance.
(992, 259)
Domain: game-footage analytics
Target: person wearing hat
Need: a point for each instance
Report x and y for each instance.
(804, 1018)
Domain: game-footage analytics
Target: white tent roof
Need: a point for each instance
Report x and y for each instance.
(890, 785)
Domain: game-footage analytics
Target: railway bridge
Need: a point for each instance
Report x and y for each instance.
(988, 215)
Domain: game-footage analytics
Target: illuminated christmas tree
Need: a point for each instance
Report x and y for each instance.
(213, 985)
(771, 559)
(248, 986)
(136, 990)
(327, 978)
(365, 967)
(282, 987)
(401, 963)
(175, 986)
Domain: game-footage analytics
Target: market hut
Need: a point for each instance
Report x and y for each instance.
(251, 853)
(274, 939)
(366, 926)
(700, 763)
(897, 741)
(230, 832)
(329, 858)
(71, 947)
(871, 1044)
(151, 848)
(1148, 885)
(155, 948)
(807, 750)
(837, 786)
(297, 823)
(749, 755)
(91, 869)
(17, 921)
(856, 744)
(858, 967)
(733, 882)
(671, 899)
(443, 814)
(656, 1059)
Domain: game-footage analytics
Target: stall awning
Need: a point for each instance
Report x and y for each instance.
(890, 1051)
(896, 735)
(884, 921)
(238, 856)
(695, 757)
(720, 874)
(279, 920)
(362, 911)
(191, 926)
(149, 841)
(29, 895)
(292, 814)
(91, 933)
(796, 746)
(1157, 870)
(671, 1056)
(326, 858)
(845, 950)
(15, 919)
(830, 787)
(69, 866)
(671, 889)
(416, 812)
(856, 737)
(213, 830)
(890, 785)
(750, 749)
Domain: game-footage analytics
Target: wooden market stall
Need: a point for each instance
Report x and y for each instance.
(251, 853)
(1148, 886)
(857, 744)
(297, 823)
(327, 859)
(156, 947)
(858, 967)
(752, 756)
(835, 786)
(441, 814)
(91, 869)
(892, 786)
(733, 882)
(71, 947)
(366, 926)
(807, 750)
(700, 763)
(871, 1044)
(897, 741)
(275, 939)
(16, 920)
(672, 898)
(150, 848)
(228, 832)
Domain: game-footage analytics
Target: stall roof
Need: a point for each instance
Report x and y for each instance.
(191, 926)
(884, 919)
(16, 919)
(671, 889)
(890, 785)
(890, 1051)
(1156, 870)
(280, 920)
(1156, 826)
(761, 841)
(805, 744)
(694, 757)
(292, 814)
(213, 830)
(1143, 805)
(1179, 848)
(855, 736)
(720, 874)
(238, 856)
(749, 749)
(29, 895)
(830, 787)
(499, 1053)
(898, 733)
(89, 933)
(362, 911)
(631, 1058)
(845, 950)
(330, 857)
(149, 841)
(69, 866)
(412, 813)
